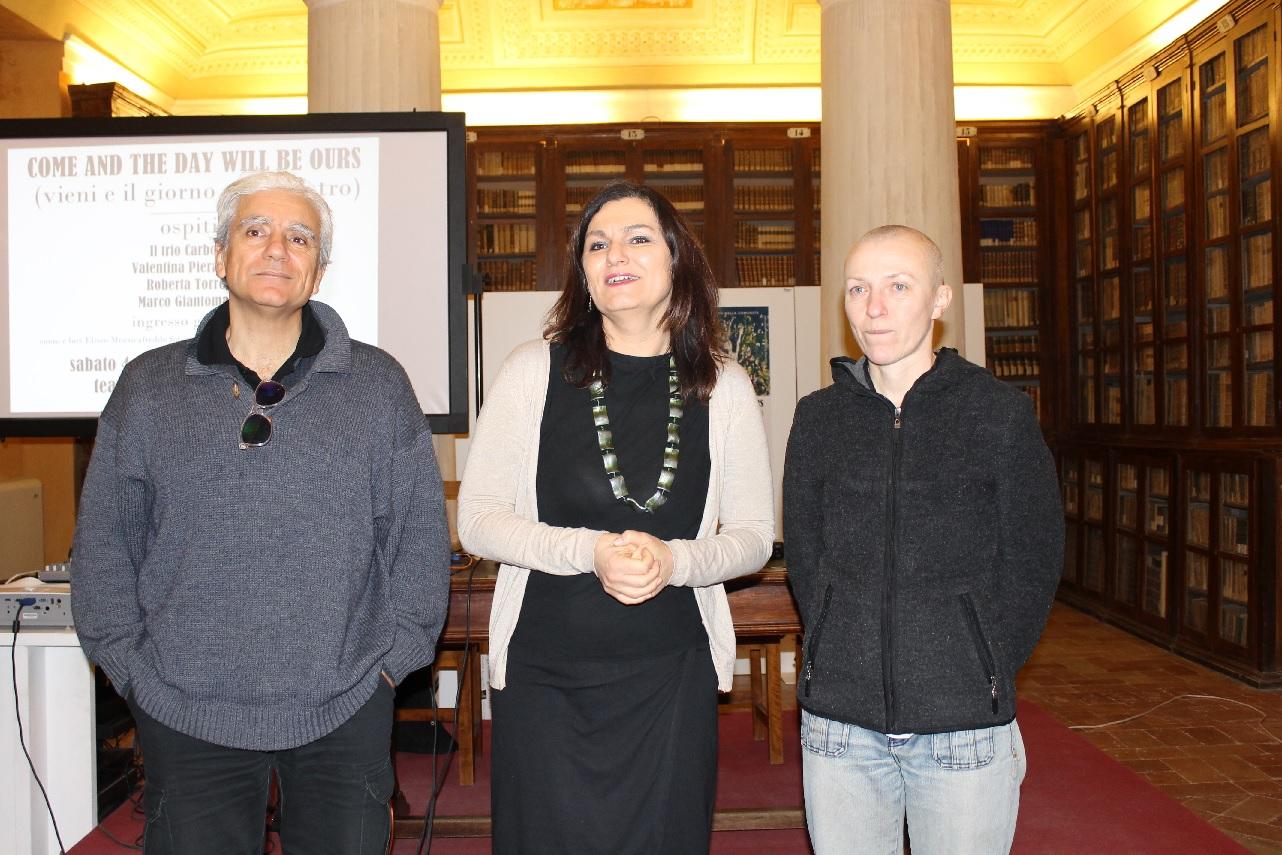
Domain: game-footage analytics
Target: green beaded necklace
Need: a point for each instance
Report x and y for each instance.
(671, 448)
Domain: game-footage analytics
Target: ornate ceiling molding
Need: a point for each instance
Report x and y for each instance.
(467, 39)
(191, 48)
(1086, 22)
(787, 31)
(711, 31)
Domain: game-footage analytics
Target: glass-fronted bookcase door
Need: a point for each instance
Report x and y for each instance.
(1009, 260)
(506, 236)
(772, 183)
(1171, 169)
(1217, 597)
(1234, 164)
(1082, 310)
(1108, 244)
(1082, 473)
(1143, 565)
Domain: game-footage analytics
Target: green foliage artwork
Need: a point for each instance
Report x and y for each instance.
(748, 333)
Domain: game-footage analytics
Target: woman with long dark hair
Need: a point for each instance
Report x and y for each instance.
(619, 473)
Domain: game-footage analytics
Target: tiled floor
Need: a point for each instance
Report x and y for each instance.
(1219, 753)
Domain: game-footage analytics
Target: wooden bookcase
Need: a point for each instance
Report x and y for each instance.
(505, 224)
(1170, 453)
(1007, 240)
(749, 191)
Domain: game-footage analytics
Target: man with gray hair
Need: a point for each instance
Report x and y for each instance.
(261, 551)
(925, 537)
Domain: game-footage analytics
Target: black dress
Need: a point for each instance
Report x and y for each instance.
(605, 737)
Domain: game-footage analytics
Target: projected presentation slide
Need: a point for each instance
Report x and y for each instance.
(119, 247)
(111, 252)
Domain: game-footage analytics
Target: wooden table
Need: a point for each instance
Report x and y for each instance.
(764, 614)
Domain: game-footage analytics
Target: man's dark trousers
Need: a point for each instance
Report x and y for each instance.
(206, 799)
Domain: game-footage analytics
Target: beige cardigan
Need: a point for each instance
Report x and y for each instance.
(498, 513)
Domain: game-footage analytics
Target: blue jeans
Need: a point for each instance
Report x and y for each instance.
(959, 791)
(207, 799)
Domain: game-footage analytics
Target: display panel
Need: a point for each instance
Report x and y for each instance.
(106, 246)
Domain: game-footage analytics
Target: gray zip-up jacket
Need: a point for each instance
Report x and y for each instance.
(250, 597)
(924, 547)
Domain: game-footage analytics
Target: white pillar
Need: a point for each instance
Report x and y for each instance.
(889, 149)
(373, 55)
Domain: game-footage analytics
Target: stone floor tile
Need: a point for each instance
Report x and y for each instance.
(1196, 771)
(1224, 789)
(1255, 844)
(1268, 787)
(1237, 769)
(1253, 829)
(1257, 809)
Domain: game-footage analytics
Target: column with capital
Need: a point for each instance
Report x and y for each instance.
(889, 143)
(373, 55)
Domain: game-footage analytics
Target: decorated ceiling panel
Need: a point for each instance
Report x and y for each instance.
(511, 44)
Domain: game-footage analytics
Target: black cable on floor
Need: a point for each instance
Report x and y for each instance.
(438, 783)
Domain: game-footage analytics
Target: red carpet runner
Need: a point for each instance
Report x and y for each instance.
(1075, 800)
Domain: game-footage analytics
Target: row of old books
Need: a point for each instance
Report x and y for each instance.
(505, 238)
(1155, 584)
(1010, 307)
(1233, 622)
(1259, 348)
(1257, 261)
(1256, 203)
(493, 201)
(1172, 190)
(763, 160)
(1008, 266)
(1259, 398)
(515, 275)
(764, 236)
(1254, 156)
(1107, 170)
(766, 271)
(1219, 398)
(688, 160)
(1005, 157)
(1215, 121)
(1003, 345)
(595, 162)
(1253, 95)
(1021, 194)
(684, 196)
(491, 164)
(1015, 366)
(763, 197)
(1013, 231)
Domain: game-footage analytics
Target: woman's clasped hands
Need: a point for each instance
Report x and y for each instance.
(633, 566)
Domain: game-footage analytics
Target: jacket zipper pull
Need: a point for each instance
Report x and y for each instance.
(810, 670)
(992, 682)
(898, 420)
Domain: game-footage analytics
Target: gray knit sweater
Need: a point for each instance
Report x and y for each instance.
(250, 597)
